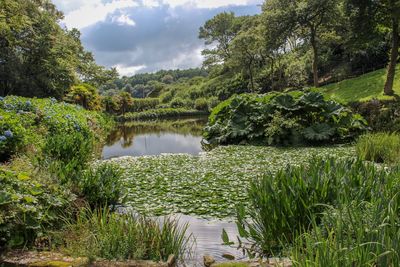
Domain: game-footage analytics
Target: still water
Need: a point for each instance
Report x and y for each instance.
(155, 138)
(174, 136)
(208, 240)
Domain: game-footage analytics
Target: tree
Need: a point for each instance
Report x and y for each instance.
(373, 15)
(125, 101)
(220, 30)
(305, 19)
(85, 95)
(167, 79)
(37, 56)
(246, 50)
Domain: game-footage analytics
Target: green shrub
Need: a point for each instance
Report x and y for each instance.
(177, 102)
(102, 185)
(141, 104)
(66, 155)
(162, 113)
(167, 97)
(28, 208)
(282, 205)
(102, 234)
(282, 118)
(213, 102)
(201, 104)
(379, 147)
(382, 115)
(12, 134)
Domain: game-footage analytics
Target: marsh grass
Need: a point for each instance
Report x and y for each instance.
(379, 147)
(331, 213)
(103, 234)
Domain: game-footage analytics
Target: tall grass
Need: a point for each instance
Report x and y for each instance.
(102, 234)
(379, 147)
(330, 213)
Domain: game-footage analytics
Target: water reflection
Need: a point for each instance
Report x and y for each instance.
(155, 137)
(208, 239)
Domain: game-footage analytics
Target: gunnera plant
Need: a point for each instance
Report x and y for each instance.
(287, 118)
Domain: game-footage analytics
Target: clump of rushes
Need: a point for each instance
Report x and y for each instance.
(102, 185)
(379, 147)
(113, 236)
(294, 201)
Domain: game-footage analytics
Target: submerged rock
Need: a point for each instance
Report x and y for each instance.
(228, 256)
(208, 260)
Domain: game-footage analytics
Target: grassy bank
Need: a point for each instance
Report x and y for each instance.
(209, 185)
(161, 113)
(362, 88)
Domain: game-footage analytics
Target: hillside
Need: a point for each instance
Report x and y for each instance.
(361, 88)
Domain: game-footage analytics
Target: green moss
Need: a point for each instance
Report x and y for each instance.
(231, 264)
(52, 264)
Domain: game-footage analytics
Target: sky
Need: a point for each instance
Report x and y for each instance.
(138, 36)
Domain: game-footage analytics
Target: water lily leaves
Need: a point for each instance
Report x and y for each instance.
(210, 185)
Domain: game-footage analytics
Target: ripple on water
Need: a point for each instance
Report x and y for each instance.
(208, 238)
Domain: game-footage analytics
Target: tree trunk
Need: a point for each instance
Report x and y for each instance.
(315, 58)
(391, 70)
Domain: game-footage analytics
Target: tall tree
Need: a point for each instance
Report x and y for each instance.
(219, 31)
(378, 15)
(305, 19)
(37, 56)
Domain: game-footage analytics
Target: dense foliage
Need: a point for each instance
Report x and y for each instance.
(28, 208)
(40, 58)
(47, 145)
(102, 185)
(161, 113)
(282, 118)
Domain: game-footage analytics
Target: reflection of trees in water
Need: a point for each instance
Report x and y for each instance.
(128, 131)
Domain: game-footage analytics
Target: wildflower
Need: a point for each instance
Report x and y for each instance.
(28, 103)
(68, 116)
(2, 138)
(1, 98)
(8, 134)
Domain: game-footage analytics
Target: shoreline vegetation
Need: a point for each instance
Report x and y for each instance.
(161, 113)
(309, 173)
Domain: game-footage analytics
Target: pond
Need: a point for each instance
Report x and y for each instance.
(155, 137)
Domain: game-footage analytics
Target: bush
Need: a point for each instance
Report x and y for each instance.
(281, 119)
(201, 104)
(213, 102)
(102, 234)
(102, 185)
(162, 113)
(282, 205)
(177, 102)
(28, 209)
(379, 147)
(141, 104)
(67, 156)
(382, 115)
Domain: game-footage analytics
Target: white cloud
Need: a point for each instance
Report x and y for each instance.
(123, 20)
(93, 11)
(128, 71)
(205, 3)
